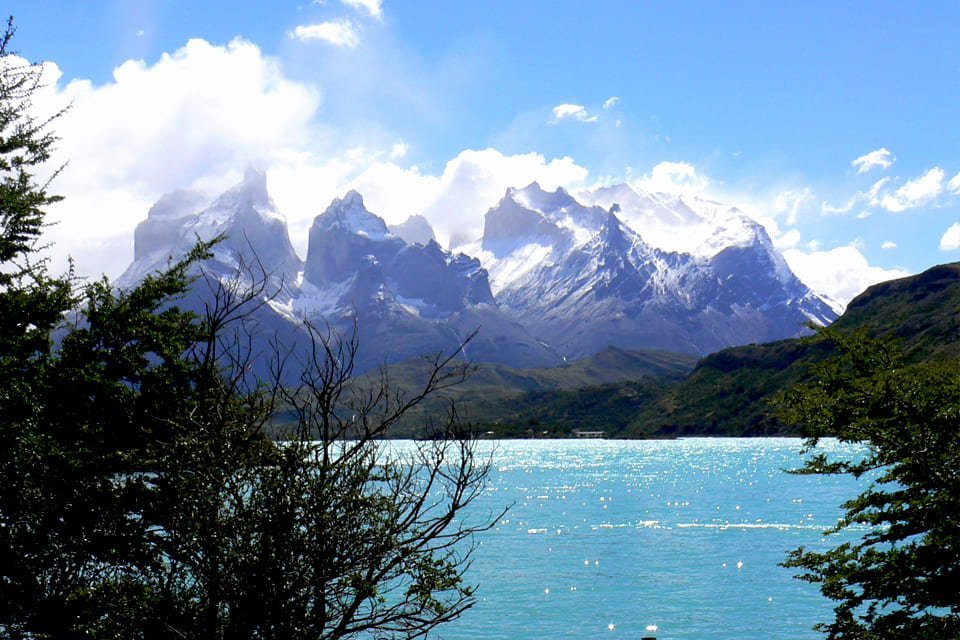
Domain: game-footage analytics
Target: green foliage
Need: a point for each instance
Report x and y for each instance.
(25, 144)
(31, 302)
(728, 393)
(139, 496)
(900, 579)
(604, 408)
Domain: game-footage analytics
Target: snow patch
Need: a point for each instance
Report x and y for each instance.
(513, 267)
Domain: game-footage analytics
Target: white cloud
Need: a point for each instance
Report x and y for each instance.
(916, 192)
(889, 244)
(880, 158)
(399, 150)
(373, 8)
(571, 112)
(954, 184)
(197, 117)
(950, 241)
(789, 239)
(830, 209)
(454, 202)
(840, 274)
(189, 119)
(873, 195)
(791, 202)
(870, 197)
(611, 102)
(674, 177)
(341, 33)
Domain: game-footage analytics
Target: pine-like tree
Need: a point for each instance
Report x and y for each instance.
(899, 580)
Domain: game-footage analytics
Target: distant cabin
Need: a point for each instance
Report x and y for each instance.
(577, 433)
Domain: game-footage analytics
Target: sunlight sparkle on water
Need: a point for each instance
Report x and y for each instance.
(666, 518)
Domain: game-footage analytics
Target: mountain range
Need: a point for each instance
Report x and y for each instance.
(553, 278)
(728, 393)
(580, 279)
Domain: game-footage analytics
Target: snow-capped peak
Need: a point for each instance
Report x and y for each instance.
(351, 215)
(177, 204)
(251, 192)
(560, 208)
(252, 229)
(534, 197)
(678, 223)
(415, 229)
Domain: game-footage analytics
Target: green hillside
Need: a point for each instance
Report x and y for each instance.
(729, 392)
(922, 310)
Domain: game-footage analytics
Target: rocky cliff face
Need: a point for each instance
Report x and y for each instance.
(409, 299)
(406, 299)
(414, 230)
(255, 237)
(580, 278)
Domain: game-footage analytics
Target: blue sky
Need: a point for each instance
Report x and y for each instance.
(832, 123)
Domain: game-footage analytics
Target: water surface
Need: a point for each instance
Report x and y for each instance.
(607, 538)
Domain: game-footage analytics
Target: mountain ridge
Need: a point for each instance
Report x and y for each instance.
(563, 265)
(553, 279)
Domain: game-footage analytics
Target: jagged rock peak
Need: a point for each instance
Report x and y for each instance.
(251, 191)
(161, 234)
(177, 204)
(535, 198)
(351, 215)
(415, 230)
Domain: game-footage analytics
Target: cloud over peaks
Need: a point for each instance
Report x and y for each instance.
(674, 177)
(839, 273)
(455, 200)
(196, 114)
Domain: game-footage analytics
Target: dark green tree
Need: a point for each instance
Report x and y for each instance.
(31, 305)
(899, 580)
(139, 495)
(31, 301)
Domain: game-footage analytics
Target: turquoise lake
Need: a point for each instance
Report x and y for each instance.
(611, 539)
